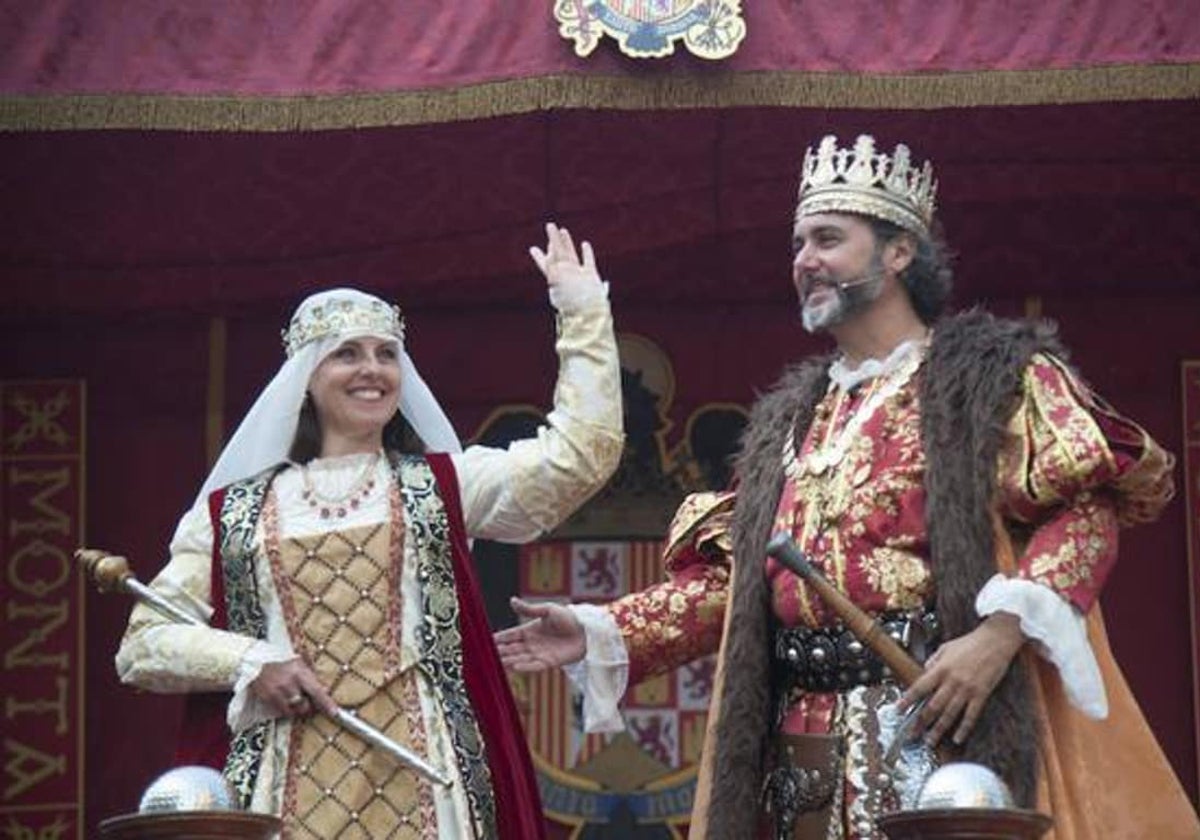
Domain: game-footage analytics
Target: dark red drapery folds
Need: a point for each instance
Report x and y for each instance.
(266, 48)
(224, 185)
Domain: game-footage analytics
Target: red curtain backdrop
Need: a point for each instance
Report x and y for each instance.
(334, 47)
(1036, 199)
(120, 246)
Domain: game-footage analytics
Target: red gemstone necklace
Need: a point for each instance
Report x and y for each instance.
(328, 506)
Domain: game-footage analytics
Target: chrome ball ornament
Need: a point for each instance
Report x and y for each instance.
(190, 788)
(964, 785)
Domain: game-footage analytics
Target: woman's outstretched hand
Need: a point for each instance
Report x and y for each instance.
(292, 689)
(565, 268)
(549, 636)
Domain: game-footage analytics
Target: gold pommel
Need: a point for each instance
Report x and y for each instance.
(108, 571)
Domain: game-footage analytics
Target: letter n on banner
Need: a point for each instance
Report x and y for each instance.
(41, 640)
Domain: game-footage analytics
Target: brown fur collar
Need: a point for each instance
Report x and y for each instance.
(969, 387)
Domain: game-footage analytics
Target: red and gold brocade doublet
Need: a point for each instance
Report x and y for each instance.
(680, 619)
(1071, 471)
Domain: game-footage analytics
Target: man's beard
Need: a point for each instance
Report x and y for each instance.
(849, 297)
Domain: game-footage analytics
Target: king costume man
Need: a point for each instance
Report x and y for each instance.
(957, 479)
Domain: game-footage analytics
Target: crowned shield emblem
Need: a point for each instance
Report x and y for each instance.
(710, 29)
(638, 783)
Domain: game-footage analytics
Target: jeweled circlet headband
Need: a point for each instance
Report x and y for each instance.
(342, 316)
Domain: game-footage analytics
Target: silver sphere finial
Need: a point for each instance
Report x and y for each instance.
(190, 788)
(964, 785)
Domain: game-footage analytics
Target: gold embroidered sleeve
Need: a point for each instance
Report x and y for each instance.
(1071, 472)
(1073, 551)
(518, 493)
(161, 655)
(680, 619)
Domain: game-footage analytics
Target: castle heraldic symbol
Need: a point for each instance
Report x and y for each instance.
(710, 29)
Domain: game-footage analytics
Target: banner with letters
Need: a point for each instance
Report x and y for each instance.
(41, 503)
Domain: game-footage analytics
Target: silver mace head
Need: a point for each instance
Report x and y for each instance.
(190, 788)
(964, 785)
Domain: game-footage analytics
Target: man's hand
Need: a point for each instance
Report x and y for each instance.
(563, 267)
(961, 675)
(292, 689)
(551, 636)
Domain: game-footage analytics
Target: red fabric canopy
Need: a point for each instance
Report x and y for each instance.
(160, 165)
(1079, 199)
(266, 47)
(324, 64)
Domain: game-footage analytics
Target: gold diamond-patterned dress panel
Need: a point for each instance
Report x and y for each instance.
(340, 595)
(337, 786)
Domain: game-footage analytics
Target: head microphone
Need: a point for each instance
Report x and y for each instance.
(850, 284)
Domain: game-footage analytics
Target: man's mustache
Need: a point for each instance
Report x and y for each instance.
(810, 281)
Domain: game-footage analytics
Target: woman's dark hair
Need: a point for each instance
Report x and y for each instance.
(398, 435)
(929, 278)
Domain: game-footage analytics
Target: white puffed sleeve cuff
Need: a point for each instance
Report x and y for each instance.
(246, 709)
(1059, 630)
(603, 673)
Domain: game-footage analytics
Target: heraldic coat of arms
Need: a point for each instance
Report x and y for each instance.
(638, 783)
(710, 29)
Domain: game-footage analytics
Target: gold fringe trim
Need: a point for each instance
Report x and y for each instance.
(519, 96)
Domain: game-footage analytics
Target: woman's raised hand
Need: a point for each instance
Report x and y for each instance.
(549, 636)
(563, 266)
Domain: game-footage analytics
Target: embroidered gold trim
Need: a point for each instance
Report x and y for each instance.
(1117, 83)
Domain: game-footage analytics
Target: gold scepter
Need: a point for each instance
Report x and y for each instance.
(111, 573)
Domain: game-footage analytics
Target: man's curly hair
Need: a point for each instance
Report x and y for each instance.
(929, 278)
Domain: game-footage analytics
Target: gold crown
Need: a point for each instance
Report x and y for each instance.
(861, 180)
(337, 316)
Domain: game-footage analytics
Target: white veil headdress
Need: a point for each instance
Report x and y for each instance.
(320, 325)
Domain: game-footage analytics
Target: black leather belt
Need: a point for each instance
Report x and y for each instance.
(831, 658)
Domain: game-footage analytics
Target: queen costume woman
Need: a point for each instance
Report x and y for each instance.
(330, 566)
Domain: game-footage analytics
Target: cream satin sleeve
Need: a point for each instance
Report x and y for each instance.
(161, 655)
(518, 493)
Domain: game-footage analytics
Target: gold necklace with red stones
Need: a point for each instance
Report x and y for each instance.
(339, 506)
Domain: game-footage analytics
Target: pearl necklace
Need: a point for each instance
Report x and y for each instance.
(339, 506)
